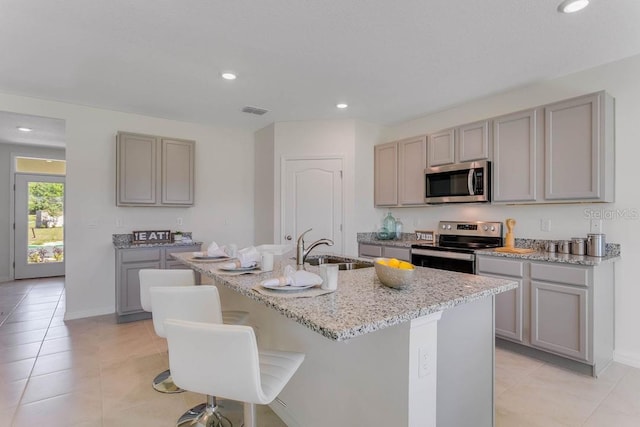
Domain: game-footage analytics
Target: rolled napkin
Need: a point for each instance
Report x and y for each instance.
(215, 250)
(247, 257)
(236, 263)
(294, 278)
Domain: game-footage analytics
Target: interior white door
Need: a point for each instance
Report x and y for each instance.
(312, 198)
(39, 237)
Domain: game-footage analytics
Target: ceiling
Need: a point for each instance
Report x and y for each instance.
(389, 60)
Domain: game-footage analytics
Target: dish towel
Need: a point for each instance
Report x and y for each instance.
(294, 277)
(247, 257)
(215, 250)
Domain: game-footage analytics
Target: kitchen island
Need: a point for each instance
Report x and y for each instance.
(376, 355)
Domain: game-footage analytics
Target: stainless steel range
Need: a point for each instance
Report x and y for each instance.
(456, 246)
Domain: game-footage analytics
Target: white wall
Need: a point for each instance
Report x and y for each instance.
(7, 151)
(620, 79)
(224, 192)
(264, 217)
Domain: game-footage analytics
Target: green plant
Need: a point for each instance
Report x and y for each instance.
(46, 196)
(34, 256)
(58, 253)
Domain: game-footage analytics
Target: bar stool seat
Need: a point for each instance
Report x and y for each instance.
(164, 278)
(224, 360)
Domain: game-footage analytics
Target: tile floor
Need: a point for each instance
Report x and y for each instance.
(94, 372)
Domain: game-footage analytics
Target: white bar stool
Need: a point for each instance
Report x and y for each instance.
(156, 278)
(192, 303)
(247, 375)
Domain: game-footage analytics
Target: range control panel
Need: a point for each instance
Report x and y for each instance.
(477, 228)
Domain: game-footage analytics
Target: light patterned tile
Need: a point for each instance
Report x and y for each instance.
(61, 411)
(19, 352)
(10, 394)
(59, 383)
(14, 371)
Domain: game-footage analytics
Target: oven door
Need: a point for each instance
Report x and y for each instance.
(444, 260)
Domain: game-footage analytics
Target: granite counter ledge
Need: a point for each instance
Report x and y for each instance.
(361, 303)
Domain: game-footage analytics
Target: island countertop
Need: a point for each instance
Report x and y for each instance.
(361, 303)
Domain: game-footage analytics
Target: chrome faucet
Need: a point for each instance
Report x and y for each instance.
(301, 253)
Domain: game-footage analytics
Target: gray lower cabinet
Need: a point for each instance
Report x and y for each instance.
(154, 171)
(562, 309)
(367, 250)
(129, 262)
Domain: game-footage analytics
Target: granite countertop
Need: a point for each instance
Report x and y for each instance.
(362, 304)
(612, 253)
(405, 241)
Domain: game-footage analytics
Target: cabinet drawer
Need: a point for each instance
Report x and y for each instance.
(561, 274)
(370, 250)
(500, 266)
(403, 254)
(169, 251)
(138, 255)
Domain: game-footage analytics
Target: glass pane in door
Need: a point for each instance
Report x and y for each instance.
(45, 231)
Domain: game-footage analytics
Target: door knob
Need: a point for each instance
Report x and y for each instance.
(288, 237)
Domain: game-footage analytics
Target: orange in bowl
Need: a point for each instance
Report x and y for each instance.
(394, 273)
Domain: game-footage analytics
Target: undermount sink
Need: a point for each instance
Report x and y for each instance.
(343, 263)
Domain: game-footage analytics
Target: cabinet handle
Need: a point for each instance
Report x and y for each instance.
(288, 237)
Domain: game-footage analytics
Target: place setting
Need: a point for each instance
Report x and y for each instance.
(215, 253)
(246, 261)
(300, 283)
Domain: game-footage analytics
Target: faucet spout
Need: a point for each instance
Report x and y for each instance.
(302, 252)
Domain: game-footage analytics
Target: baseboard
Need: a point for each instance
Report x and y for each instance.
(630, 359)
(71, 315)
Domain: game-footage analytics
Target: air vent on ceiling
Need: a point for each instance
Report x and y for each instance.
(254, 110)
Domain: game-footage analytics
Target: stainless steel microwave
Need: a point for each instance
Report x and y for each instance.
(458, 183)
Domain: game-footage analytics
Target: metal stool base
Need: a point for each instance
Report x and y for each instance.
(204, 415)
(163, 383)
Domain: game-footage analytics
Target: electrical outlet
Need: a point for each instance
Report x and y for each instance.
(545, 224)
(179, 221)
(119, 222)
(423, 362)
(596, 226)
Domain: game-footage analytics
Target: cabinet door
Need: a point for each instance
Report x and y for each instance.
(412, 162)
(177, 172)
(128, 289)
(136, 168)
(369, 251)
(514, 157)
(572, 149)
(441, 148)
(386, 174)
(559, 319)
(473, 141)
(403, 254)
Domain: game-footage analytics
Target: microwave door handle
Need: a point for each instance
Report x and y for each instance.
(470, 181)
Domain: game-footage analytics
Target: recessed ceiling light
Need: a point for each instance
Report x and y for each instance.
(229, 76)
(571, 6)
(341, 106)
(24, 129)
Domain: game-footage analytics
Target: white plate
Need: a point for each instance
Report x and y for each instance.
(287, 288)
(255, 267)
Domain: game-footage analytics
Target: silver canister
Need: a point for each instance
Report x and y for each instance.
(578, 245)
(564, 246)
(596, 244)
(550, 247)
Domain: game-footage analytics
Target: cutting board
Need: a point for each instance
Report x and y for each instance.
(515, 250)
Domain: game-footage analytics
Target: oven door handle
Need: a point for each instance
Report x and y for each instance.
(471, 185)
(443, 254)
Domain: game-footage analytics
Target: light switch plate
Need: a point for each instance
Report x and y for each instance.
(596, 226)
(545, 224)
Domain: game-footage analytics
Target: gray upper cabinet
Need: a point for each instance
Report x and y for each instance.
(154, 171)
(514, 165)
(399, 172)
(464, 143)
(579, 149)
(473, 141)
(412, 156)
(442, 148)
(386, 174)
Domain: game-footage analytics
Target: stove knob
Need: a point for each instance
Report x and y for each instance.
(444, 227)
(449, 227)
(485, 228)
(493, 228)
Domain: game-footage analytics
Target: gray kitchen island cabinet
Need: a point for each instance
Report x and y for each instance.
(154, 171)
(560, 309)
(367, 250)
(129, 262)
